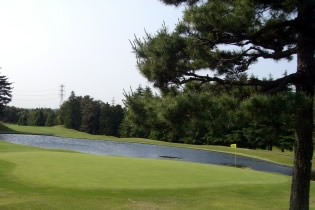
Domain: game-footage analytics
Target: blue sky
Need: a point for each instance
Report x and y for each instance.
(83, 44)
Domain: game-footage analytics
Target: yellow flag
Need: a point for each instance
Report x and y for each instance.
(233, 146)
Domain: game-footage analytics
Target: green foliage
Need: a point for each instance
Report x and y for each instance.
(71, 112)
(271, 120)
(5, 92)
(213, 115)
(11, 114)
(35, 117)
(110, 119)
(141, 114)
(91, 116)
(23, 118)
(250, 29)
(51, 119)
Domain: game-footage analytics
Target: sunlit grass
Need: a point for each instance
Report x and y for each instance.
(34, 178)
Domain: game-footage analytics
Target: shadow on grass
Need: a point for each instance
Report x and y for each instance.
(4, 129)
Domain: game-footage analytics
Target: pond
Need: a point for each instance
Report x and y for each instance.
(144, 151)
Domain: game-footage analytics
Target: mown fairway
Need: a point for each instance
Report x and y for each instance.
(33, 178)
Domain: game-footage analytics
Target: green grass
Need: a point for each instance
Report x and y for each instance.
(285, 158)
(34, 178)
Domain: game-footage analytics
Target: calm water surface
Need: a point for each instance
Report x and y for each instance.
(144, 151)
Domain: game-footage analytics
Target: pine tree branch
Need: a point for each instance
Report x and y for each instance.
(268, 86)
(264, 54)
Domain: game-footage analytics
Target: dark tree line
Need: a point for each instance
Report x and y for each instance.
(32, 117)
(208, 114)
(212, 114)
(79, 113)
(91, 116)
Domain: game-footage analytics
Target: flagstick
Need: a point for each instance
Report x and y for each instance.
(235, 157)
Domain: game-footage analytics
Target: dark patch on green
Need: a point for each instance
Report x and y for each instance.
(169, 157)
(237, 165)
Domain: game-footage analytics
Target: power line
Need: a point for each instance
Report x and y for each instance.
(35, 91)
(50, 94)
(41, 99)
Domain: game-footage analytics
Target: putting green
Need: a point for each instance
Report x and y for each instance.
(35, 178)
(85, 171)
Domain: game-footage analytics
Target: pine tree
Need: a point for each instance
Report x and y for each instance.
(249, 30)
(5, 92)
(71, 112)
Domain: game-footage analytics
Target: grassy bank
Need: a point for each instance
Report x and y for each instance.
(277, 156)
(34, 178)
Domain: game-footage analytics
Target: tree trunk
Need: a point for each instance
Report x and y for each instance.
(303, 152)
